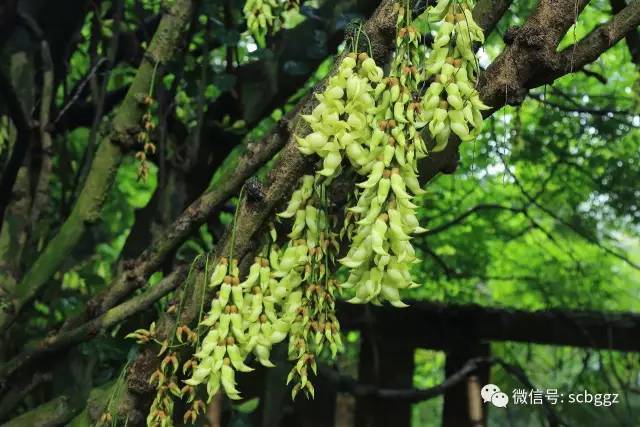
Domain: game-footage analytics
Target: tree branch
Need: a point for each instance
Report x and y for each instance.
(53, 413)
(41, 193)
(632, 37)
(598, 41)
(409, 395)
(591, 239)
(96, 326)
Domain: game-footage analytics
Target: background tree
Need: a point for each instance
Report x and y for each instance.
(99, 233)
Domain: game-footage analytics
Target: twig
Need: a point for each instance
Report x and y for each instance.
(570, 226)
(79, 90)
(99, 91)
(468, 213)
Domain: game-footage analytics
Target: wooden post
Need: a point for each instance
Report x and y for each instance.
(463, 406)
(386, 360)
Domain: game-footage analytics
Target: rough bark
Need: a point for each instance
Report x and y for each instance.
(632, 37)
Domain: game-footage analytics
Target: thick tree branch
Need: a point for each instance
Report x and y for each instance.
(632, 37)
(598, 41)
(530, 53)
(98, 325)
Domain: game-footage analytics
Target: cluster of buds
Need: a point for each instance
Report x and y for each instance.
(452, 102)
(191, 415)
(303, 268)
(143, 336)
(105, 419)
(184, 334)
(166, 383)
(409, 54)
(165, 377)
(314, 325)
(143, 138)
(266, 16)
(314, 328)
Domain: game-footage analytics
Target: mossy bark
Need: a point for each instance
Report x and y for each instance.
(53, 413)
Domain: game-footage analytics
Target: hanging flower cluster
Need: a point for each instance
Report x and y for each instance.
(243, 320)
(303, 268)
(266, 16)
(383, 218)
(144, 138)
(341, 121)
(376, 127)
(165, 377)
(222, 351)
(452, 102)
